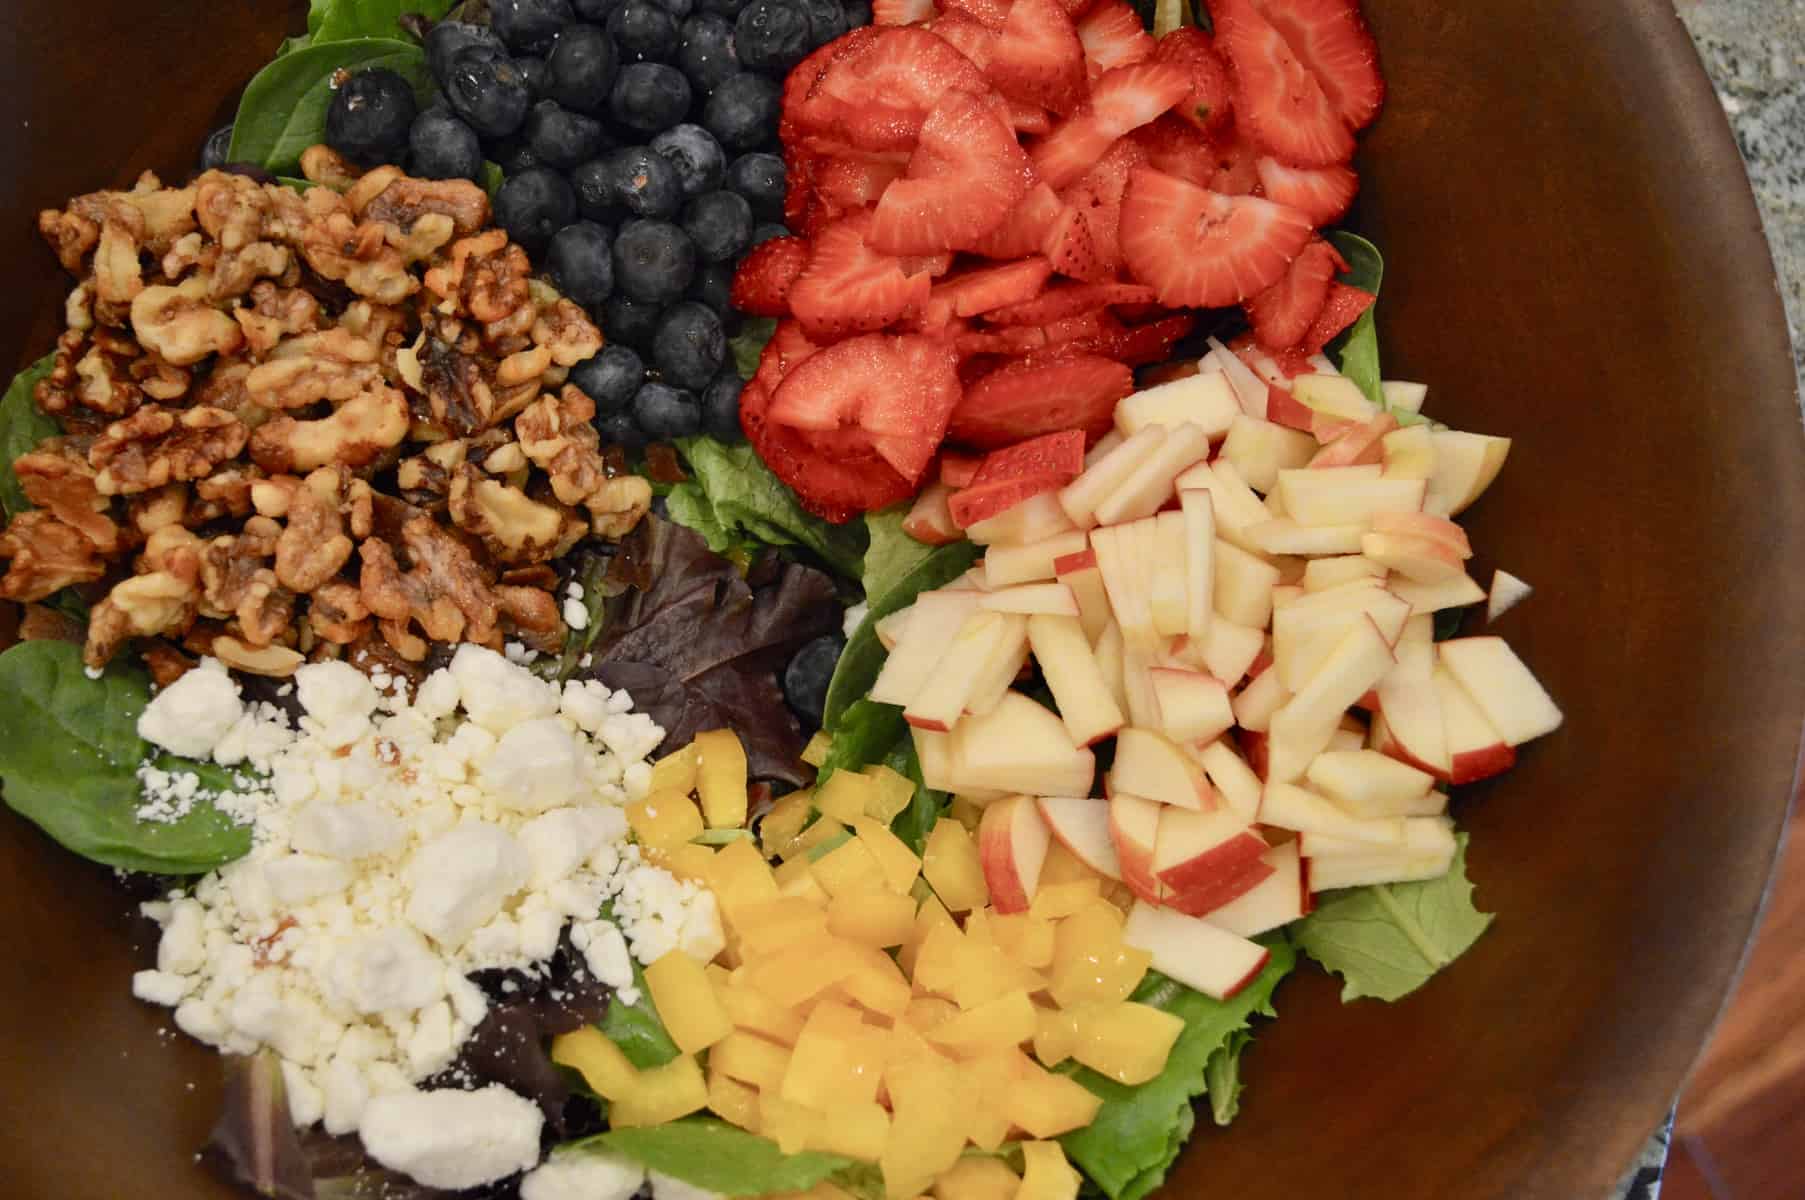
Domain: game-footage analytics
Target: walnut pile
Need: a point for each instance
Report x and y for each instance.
(299, 424)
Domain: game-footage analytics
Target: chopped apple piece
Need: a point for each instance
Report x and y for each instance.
(1005, 665)
(1309, 719)
(1465, 465)
(1333, 396)
(1121, 566)
(1020, 747)
(1193, 706)
(1078, 571)
(1333, 496)
(1081, 824)
(1244, 583)
(1404, 397)
(1326, 874)
(1234, 780)
(1285, 536)
(1199, 519)
(1409, 725)
(1507, 592)
(930, 520)
(1149, 765)
(1012, 847)
(1422, 559)
(1109, 441)
(1505, 690)
(1193, 850)
(1350, 736)
(1080, 690)
(1233, 503)
(1134, 829)
(889, 629)
(1035, 519)
(1207, 401)
(1260, 450)
(1110, 653)
(1081, 497)
(1250, 389)
(1030, 598)
(1422, 835)
(934, 621)
(1456, 591)
(975, 654)
(1287, 806)
(1322, 574)
(1476, 750)
(1263, 696)
(1356, 444)
(934, 751)
(1305, 633)
(1276, 900)
(1409, 453)
(1008, 564)
(1228, 650)
(1169, 596)
(1150, 483)
(1143, 706)
(1194, 952)
(1369, 784)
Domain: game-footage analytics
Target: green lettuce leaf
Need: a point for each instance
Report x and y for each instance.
(1387, 940)
(1222, 1078)
(736, 497)
(749, 343)
(22, 427)
(1356, 349)
(1139, 1130)
(891, 554)
(283, 110)
(717, 1157)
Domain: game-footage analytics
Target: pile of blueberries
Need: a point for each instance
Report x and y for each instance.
(638, 140)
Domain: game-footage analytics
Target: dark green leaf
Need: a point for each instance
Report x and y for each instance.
(22, 427)
(716, 1157)
(636, 1028)
(340, 20)
(1390, 939)
(492, 178)
(914, 823)
(1139, 1130)
(316, 14)
(69, 754)
(1356, 349)
(1449, 620)
(283, 110)
(1222, 1078)
(891, 554)
(864, 654)
(592, 574)
(746, 501)
(750, 343)
(865, 735)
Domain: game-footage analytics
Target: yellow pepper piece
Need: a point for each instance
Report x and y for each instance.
(845, 795)
(950, 864)
(661, 1094)
(977, 1177)
(899, 864)
(780, 827)
(1046, 1175)
(996, 1025)
(676, 771)
(848, 868)
(815, 753)
(664, 820)
(733, 1101)
(686, 1002)
(599, 1061)
(1126, 1042)
(750, 1059)
(872, 918)
(721, 778)
(895, 792)
(1091, 964)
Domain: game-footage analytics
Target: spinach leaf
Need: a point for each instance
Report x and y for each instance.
(1356, 349)
(746, 502)
(283, 110)
(865, 736)
(1139, 1130)
(69, 754)
(750, 343)
(1447, 621)
(864, 654)
(914, 823)
(22, 427)
(341, 20)
(492, 178)
(717, 1157)
(1389, 939)
(636, 1028)
(892, 554)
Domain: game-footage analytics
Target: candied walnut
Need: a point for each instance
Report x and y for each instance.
(275, 313)
(271, 497)
(337, 613)
(322, 164)
(359, 256)
(231, 564)
(564, 329)
(118, 275)
(56, 393)
(506, 460)
(236, 271)
(223, 386)
(532, 615)
(405, 199)
(160, 380)
(144, 606)
(154, 510)
(100, 386)
(228, 490)
(333, 365)
(232, 209)
(184, 254)
(78, 308)
(368, 187)
(56, 476)
(524, 366)
(175, 550)
(513, 527)
(182, 329)
(556, 434)
(356, 434)
(458, 396)
(619, 505)
(314, 546)
(277, 662)
(71, 235)
(167, 213)
(444, 591)
(46, 556)
(155, 446)
(166, 663)
(41, 623)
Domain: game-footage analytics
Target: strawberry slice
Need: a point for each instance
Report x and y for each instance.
(788, 346)
(958, 470)
(798, 182)
(1029, 118)
(983, 289)
(844, 184)
(965, 175)
(1060, 455)
(1341, 309)
(901, 12)
(1037, 57)
(980, 502)
(1024, 227)
(1200, 249)
(1041, 394)
(1090, 330)
(968, 35)
(988, 12)
(1139, 345)
(878, 89)
(1098, 196)
(878, 393)
(1070, 300)
(1112, 36)
(833, 488)
(1210, 104)
(1122, 100)
(931, 265)
(1333, 42)
(1173, 145)
(848, 287)
(1283, 313)
(1320, 193)
(1072, 250)
(761, 284)
(1278, 101)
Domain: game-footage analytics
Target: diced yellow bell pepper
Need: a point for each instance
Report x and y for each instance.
(985, 972)
(907, 1041)
(802, 971)
(815, 753)
(1091, 964)
(977, 926)
(739, 877)
(1126, 1042)
(928, 916)
(872, 918)
(927, 1132)
(1062, 866)
(966, 812)
(676, 771)
(690, 861)
(664, 820)
(1025, 938)
(825, 829)
(857, 1130)
(1046, 1175)
(721, 778)
(1055, 1033)
(767, 928)
(999, 1024)
(1056, 901)
(878, 985)
(686, 1002)
(845, 795)
(848, 868)
(661, 1094)
(792, 1126)
(927, 1013)
(603, 1066)
(988, 1080)
(1047, 1105)
(895, 792)
(940, 959)
(977, 1177)
(949, 862)
(733, 1101)
(750, 1010)
(750, 1059)
(899, 864)
(838, 1059)
(779, 828)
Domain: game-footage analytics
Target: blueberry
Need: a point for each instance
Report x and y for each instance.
(678, 8)
(532, 69)
(663, 412)
(713, 286)
(653, 260)
(696, 155)
(561, 138)
(514, 155)
(772, 35)
(705, 52)
(643, 31)
(440, 146)
(489, 93)
(805, 679)
(215, 149)
(765, 233)
(530, 25)
(581, 69)
(726, 8)
(649, 97)
(689, 345)
(593, 184)
(630, 322)
(448, 39)
(597, 11)
(533, 205)
(720, 224)
(826, 20)
(369, 116)
(721, 404)
(644, 182)
(759, 177)
(619, 430)
(610, 377)
(858, 13)
(581, 262)
(742, 111)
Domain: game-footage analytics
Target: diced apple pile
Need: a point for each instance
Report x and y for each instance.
(881, 1005)
(1238, 585)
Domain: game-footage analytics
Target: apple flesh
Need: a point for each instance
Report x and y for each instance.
(1195, 851)
(1244, 583)
(1134, 830)
(1333, 396)
(930, 520)
(1234, 780)
(1422, 835)
(1465, 465)
(1285, 536)
(1228, 650)
(1260, 449)
(1146, 488)
(982, 502)
(1233, 503)
(1369, 784)
(1169, 589)
(1404, 397)
(1199, 521)
(1006, 564)
(1149, 765)
(1356, 444)
(1287, 806)
(1078, 571)
(1196, 953)
(1319, 496)
(1205, 400)
(1193, 706)
(1080, 691)
(965, 677)
(1409, 454)
(1476, 750)
(1123, 566)
(1032, 598)
(1012, 848)
(1325, 574)
(1034, 519)
(1019, 746)
(1277, 900)
(1263, 696)
(1103, 475)
(1309, 719)
(935, 619)
(1507, 592)
(1502, 687)
(1082, 825)
(1456, 591)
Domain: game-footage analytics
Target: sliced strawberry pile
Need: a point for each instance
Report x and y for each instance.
(1007, 205)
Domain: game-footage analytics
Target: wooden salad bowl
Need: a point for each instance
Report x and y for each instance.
(1575, 261)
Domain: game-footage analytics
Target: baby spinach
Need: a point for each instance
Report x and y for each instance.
(1356, 349)
(892, 554)
(69, 754)
(22, 427)
(283, 111)
(712, 1155)
(875, 733)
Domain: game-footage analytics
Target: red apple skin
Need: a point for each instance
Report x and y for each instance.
(1392, 748)
(973, 504)
(1261, 661)
(1370, 701)
(1137, 865)
(1253, 973)
(1200, 902)
(929, 520)
(1307, 904)
(1256, 749)
(1282, 408)
(1071, 564)
(1439, 530)
(996, 854)
(1220, 862)
(1470, 766)
(923, 723)
(1356, 446)
(1077, 851)
(958, 470)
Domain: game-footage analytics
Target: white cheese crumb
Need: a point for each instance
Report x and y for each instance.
(575, 615)
(191, 715)
(583, 1175)
(452, 1139)
(855, 617)
(461, 879)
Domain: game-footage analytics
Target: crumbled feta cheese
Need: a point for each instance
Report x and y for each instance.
(385, 971)
(605, 953)
(701, 936)
(496, 694)
(346, 831)
(575, 615)
(306, 1103)
(160, 987)
(191, 715)
(583, 1175)
(452, 1139)
(295, 879)
(855, 617)
(461, 879)
(534, 767)
(438, 696)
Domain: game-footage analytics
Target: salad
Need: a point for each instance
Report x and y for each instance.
(773, 598)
